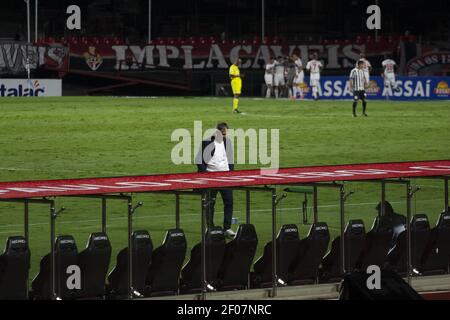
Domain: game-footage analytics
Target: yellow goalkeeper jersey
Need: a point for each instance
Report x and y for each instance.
(234, 71)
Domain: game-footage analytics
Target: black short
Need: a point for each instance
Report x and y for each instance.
(359, 95)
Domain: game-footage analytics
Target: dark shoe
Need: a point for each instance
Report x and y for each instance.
(236, 111)
(354, 115)
(365, 114)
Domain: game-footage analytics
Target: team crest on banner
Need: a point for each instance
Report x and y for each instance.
(442, 89)
(93, 59)
(373, 88)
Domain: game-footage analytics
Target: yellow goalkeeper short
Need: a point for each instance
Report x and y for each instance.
(236, 85)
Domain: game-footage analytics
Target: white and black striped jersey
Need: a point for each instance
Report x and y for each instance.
(357, 79)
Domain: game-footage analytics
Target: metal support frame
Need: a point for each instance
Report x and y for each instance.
(342, 198)
(247, 206)
(446, 197)
(27, 203)
(315, 209)
(131, 211)
(204, 201)
(206, 198)
(103, 198)
(446, 204)
(383, 198)
(53, 216)
(409, 195)
(274, 244)
(177, 211)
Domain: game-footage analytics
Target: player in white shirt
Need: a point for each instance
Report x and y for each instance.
(299, 76)
(278, 78)
(389, 74)
(268, 76)
(314, 66)
(367, 67)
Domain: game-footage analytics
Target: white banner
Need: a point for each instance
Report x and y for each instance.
(30, 88)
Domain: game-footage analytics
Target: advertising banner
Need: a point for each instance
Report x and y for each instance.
(408, 88)
(30, 88)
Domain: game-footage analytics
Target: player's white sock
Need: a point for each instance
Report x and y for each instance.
(295, 92)
(268, 93)
(314, 90)
(276, 93)
(301, 92)
(290, 92)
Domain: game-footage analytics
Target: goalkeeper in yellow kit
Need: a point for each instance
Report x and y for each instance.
(236, 83)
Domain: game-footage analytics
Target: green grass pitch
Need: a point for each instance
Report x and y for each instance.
(71, 137)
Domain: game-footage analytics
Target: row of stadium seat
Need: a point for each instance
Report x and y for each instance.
(214, 40)
(157, 272)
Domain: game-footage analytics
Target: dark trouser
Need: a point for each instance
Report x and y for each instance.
(227, 197)
(359, 95)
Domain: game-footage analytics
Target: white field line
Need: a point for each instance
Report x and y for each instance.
(170, 217)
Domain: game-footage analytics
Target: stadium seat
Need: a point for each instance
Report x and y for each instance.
(14, 268)
(435, 259)
(238, 259)
(94, 264)
(287, 243)
(142, 254)
(66, 254)
(378, 243)
(305, 267)
(354, 239)
(420, 232)
(164, 272)
(191, 272)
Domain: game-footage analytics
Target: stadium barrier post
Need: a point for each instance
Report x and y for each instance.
(315, 210)
(104, 214)
(206, 197)
(177, 211)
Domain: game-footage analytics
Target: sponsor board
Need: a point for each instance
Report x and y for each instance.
(409, 88)
(30, 87)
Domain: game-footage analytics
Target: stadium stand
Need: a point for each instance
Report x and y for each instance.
(191, 272)
(66, 254)
(354, 240)
(435, 259)
(164, 272)
(420, 232)
(287, 246)
(14, 268)
(238, 258)
(305, 267)
(142, 248)
(94, 263)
